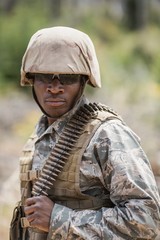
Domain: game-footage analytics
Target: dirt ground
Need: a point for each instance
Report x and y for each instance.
(15, 110)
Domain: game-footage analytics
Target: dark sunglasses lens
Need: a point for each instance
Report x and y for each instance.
(65, 79)
(68, 79)
(44, 78)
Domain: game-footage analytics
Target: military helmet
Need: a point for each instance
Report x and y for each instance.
(61, 50)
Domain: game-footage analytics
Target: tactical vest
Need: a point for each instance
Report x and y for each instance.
(66, 189)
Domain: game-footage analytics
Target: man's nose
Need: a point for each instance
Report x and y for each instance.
(55, 86)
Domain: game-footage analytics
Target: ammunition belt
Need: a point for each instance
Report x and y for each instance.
(61, 152)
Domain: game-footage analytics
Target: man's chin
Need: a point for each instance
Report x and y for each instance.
(55, 115)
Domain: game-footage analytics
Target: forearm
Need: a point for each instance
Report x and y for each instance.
(132, 221)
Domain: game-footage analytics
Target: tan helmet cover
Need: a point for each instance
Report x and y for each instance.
(61, 50)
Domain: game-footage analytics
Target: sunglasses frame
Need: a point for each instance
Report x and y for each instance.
(64, 79)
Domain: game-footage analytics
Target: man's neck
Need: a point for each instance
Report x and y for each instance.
(51, 120)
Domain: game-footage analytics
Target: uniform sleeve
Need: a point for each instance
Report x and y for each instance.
(128, 177)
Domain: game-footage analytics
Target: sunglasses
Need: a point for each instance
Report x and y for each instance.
(64, 79)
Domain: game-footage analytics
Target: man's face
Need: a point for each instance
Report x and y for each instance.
(57, 94)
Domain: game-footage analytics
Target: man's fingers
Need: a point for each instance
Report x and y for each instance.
(38, 212)
(29, 210)
(30, 218)
(30, 201)
(36, 222)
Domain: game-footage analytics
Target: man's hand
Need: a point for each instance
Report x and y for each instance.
(38, 212)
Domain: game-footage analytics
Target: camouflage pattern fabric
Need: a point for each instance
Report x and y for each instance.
(115, 167)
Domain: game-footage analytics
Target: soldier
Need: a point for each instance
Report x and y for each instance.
(83, 172)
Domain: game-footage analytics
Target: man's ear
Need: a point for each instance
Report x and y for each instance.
(30, 78)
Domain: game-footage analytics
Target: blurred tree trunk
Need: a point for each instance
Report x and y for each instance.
(7, 5)
(56, 7)
(136, 13)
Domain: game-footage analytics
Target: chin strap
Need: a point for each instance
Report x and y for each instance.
(35, 98)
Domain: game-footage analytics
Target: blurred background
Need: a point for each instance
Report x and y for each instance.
(126, 35)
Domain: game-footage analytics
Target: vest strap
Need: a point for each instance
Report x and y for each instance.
(30, 175)
(91, 203)
(24, 222)
(37, 235)
(24, 192)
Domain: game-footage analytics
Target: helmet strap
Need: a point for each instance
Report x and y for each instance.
(35, 98)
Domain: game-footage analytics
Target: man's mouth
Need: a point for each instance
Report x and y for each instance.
(54, 102)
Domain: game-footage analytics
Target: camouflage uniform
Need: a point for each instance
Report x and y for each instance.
(114, 168)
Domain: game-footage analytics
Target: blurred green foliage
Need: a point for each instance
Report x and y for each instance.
(16, 28)
(125, 57)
